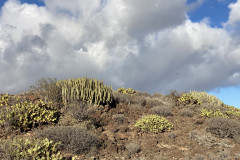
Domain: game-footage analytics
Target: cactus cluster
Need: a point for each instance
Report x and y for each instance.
(4, 100)
(212, 113)
(154, 123)
(188, 99)
(25, 115)
(205, 97)
(126, 91)
(221, 112)
(34, 149)
(232, 111)
(85, 89)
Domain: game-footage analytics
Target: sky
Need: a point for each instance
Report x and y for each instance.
(151, 46)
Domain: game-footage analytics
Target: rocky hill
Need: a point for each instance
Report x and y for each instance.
(135, 125)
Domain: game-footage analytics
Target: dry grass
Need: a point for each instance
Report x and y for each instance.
(74, 139)
(133, 148)
(186, 112)
(223, 127)
(207, 140)
(162, 111)
(118, 118)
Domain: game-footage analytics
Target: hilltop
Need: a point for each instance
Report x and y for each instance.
(115, 125)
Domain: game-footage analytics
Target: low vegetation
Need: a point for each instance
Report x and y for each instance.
(73, 138)
(25, 115)
(28, 149)
(126, 91)
(154, 123)
(81, 119)
(85, 89)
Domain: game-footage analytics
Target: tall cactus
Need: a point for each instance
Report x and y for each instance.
(85, 89)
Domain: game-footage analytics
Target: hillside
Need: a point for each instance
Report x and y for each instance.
(183, 126)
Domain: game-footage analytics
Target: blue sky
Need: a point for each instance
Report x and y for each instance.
(218, 13)
(155, 46)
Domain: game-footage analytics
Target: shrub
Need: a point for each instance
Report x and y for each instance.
(85, 89)
(162, 111)
(236, 138)
(142, 94)
(188, 99)
(48, 90)
(223, 127)
(206, 98)
(172, 135)
(67, 120)
(155, 102)
(232, 111)
(122, 98)
(160, 100)
(126, 91)
(154, 123)
(79, 110)
(75, 139)
(136, 99)
(133, 148)
(186, 112)
(29, 149)
(118, 118)
(221, 155)
(205, 139)
(87, 124)
(212, 113)
(4, 100)
(27, 115)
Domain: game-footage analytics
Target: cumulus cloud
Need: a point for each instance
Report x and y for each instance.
(233, 23)
(151, 46)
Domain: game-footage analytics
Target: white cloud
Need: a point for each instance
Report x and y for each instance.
(151, 46)
(193, 5)
(233, 23)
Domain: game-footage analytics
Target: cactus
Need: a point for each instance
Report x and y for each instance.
(85, 89)
(25, 115)
(205, 97)
(126, 91)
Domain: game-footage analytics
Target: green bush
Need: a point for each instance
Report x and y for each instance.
(154, 123)
(75, 139)
(126, 91)
(26, 115)
(30, 149)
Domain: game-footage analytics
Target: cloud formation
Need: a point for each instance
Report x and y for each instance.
(152, 46)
